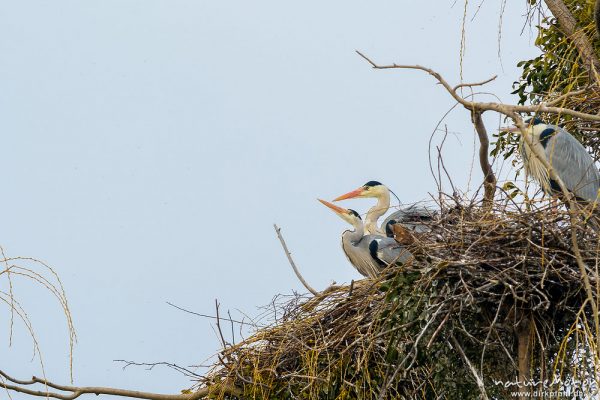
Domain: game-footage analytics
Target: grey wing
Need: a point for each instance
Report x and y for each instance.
(387, 249)
(574, 165)
(412, 217)
(361, 259)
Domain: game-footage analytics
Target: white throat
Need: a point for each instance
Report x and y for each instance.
(382, 206)
(533, 166)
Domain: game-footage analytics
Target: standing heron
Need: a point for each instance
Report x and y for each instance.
(369, 254)
(569, 159)
(411, 217)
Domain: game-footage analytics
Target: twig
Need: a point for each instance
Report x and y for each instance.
(415, 350)
(461, 85)
(219, 325)
(438, 329)
(565, 96)
(478, 378)
(441, 162)
(150, 366)
(205, 315)
(289, 257)
(232, 330)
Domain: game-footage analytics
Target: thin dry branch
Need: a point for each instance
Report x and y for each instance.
(292, 263)
(149, 366)
(476, 375)
(205, 315)
(565, 96)
(461, 85)
(489, 179)
(502, 108)
(72, 392)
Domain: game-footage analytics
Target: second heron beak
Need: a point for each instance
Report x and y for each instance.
(350, 195)
(338, 210)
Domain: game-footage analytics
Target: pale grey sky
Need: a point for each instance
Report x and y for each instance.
(149, 146)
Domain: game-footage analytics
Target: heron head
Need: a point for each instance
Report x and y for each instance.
(536, 127)
(350, 216)
(369, 189)
(533, 126)
(533, 121)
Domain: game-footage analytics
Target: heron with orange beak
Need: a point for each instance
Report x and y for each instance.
(413, 217)
(369, 254)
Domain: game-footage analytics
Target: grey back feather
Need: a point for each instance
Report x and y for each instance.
(359, 256)
(411, 217)
(388, 252)
(573, 164)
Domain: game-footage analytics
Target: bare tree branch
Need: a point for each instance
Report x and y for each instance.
(205, 315)
(565, 96)
(502, 108)
(478, 379)
(292, 263)
(72, 392)
(461, 85)
(489, 179)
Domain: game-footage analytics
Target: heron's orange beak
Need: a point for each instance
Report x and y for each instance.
(335, 208)
(350, 195)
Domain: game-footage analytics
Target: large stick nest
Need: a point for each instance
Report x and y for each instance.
(428, 328)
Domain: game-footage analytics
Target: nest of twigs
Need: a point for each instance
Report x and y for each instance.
(446, 325)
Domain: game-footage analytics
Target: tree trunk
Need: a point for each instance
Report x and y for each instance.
(524, 331)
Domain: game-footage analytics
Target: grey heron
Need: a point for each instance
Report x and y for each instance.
(569, 159)
(411, 217)
(369, 254)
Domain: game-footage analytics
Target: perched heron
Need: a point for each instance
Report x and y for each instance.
(411, 217)
(569, 159)
(369, 254)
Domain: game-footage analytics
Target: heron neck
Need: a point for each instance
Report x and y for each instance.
(382, 206)
(354, 236)
(533, 166)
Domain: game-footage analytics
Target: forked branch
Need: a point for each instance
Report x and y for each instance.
(502, 108)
